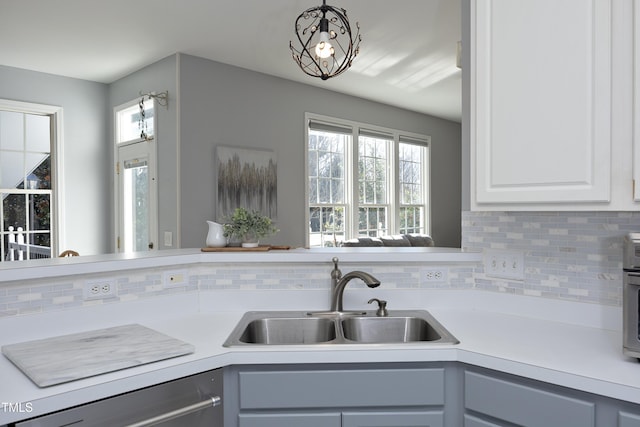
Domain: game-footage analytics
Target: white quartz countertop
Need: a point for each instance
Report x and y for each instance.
(496, 331)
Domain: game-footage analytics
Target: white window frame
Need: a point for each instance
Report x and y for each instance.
(58, 238)
(351, 174)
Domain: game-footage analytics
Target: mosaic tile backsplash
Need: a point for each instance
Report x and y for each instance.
(567, 255)
(63, 293)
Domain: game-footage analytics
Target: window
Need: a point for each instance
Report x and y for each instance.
(364, 180)
(27, 173)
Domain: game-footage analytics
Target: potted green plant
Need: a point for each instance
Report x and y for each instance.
(248, 227)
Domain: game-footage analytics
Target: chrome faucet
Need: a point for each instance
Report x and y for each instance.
(339, 282)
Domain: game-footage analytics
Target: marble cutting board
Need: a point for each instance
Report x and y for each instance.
(67, 358)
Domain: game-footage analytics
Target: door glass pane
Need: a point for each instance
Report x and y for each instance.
(136, 205)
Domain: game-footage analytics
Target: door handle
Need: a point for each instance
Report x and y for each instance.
(209, 403)
(151, 245)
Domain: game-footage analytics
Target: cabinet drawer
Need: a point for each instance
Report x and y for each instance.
(341, 388)
(471, 421)
(392, 419)
(332, 419)
(524, 405)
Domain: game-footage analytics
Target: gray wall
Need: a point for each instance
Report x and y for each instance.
(157, 77)
(213, 104)
(225, 105)
(86, 144)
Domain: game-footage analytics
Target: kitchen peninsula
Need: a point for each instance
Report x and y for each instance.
(572, 346)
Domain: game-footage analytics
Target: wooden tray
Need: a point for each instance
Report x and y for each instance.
(261, 248)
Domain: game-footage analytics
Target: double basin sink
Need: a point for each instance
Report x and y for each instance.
(304, 328)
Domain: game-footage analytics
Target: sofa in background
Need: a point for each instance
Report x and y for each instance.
(399, 240)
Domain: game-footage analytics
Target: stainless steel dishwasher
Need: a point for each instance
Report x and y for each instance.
(193, 401)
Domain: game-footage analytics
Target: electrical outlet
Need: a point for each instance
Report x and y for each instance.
(175, 278)
(504, 264)
(99, 288)
(436, 275)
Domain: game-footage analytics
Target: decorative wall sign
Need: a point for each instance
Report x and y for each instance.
(247, 178)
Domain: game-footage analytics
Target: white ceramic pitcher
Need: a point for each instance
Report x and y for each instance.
(215, 236)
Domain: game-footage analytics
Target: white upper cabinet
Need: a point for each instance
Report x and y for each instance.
(541, 105)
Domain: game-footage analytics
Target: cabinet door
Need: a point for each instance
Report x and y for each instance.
(540, 101)
(524, 405)
(626, 419)
(290, 420)
(393, 419)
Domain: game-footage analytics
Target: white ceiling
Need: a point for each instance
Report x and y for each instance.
(407, 55)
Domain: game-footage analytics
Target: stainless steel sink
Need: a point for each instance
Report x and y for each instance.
(293, 330)
(388, 329)
(330, 328)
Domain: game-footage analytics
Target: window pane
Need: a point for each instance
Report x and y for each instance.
(14, 211)
(11, 131)
(410, 173)
(326, 166)
(412, 220)
(38, 133)
(372, 221)
(313, 163)
(372, 174)
(39, 212)
(337, 191)
(130, 125)
(326, 226)
(313, 191)
(39, 245)
(11, 169)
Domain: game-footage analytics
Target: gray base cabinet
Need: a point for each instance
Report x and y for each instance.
(522, 405)
(495, 399)
(353, 395)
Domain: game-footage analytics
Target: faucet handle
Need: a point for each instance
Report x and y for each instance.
(382, 307)
(336, 274)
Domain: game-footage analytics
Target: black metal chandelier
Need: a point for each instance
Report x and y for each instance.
(327, 45)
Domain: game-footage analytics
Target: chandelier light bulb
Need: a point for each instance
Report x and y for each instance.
(324, 48)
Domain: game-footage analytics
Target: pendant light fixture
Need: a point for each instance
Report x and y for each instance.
(327, 45)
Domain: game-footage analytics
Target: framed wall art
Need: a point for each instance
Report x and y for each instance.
(247, 178)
